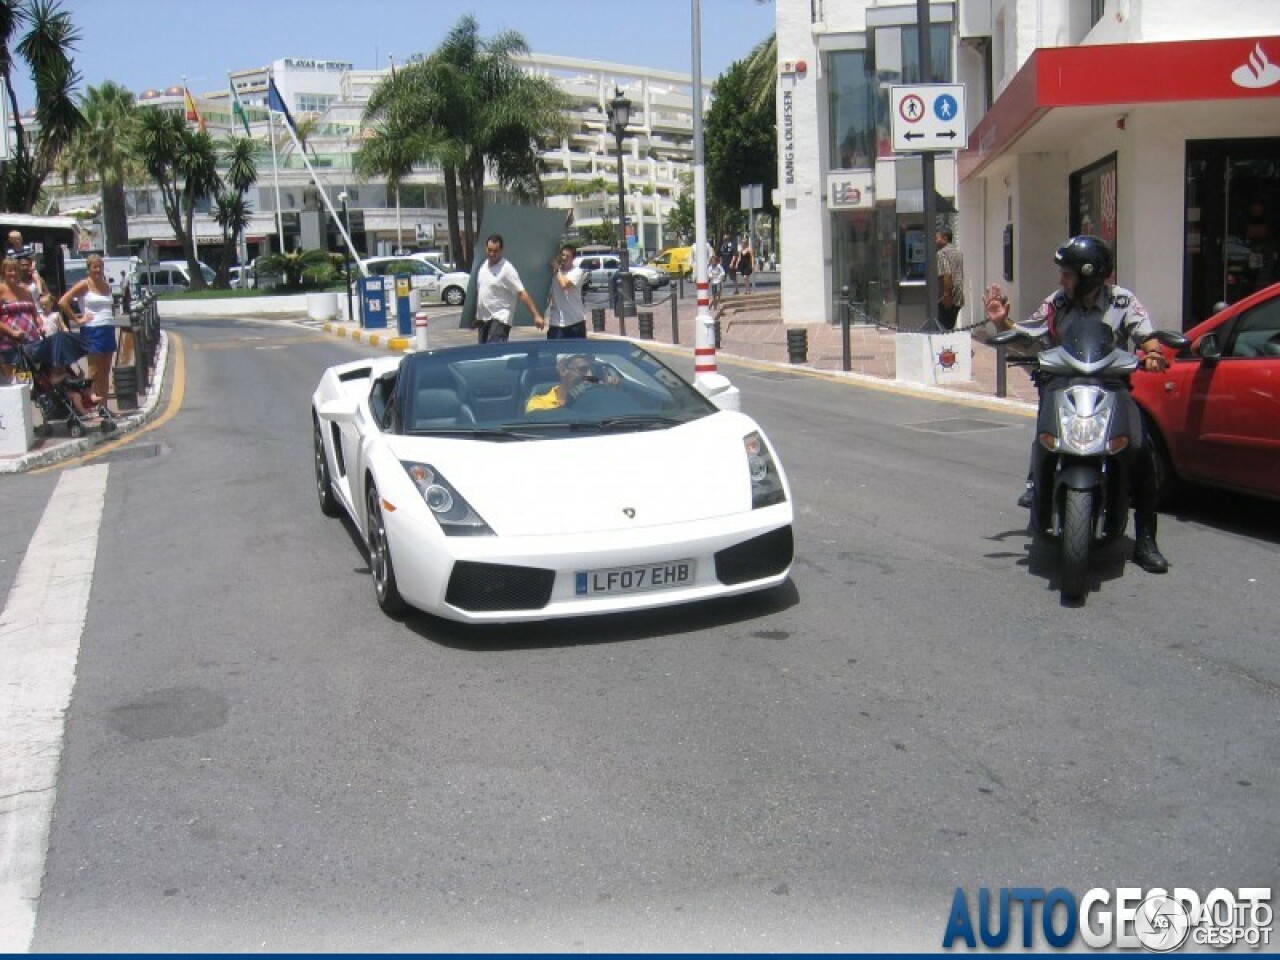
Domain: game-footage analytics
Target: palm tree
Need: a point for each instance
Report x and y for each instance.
(232, 213)
(184, 165)
(478, 113)
(231, 208)
(387, 154)
(100, 150)
(46, 47)
(298, 266)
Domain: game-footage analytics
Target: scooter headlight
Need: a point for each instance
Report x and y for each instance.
(1084, 418)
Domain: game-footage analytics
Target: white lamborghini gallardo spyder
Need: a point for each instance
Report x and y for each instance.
(547, 478)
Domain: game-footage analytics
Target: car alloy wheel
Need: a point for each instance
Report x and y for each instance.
(454, 297)
(384, 576)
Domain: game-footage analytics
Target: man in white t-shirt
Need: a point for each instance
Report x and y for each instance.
(567, 318)
(498, 288)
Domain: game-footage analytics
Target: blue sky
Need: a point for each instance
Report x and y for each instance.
(155, 43)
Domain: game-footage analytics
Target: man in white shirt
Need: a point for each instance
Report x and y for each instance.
(498, 288)
(567, 318)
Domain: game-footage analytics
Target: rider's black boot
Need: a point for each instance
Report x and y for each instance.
(1028, 496)
(1145, 552)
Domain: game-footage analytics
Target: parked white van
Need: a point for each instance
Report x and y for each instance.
(118, 269)
(169, 276)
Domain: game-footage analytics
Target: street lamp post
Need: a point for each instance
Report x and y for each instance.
(346, 253)
(619, 116)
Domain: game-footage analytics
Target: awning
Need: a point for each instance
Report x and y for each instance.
(1128, 74)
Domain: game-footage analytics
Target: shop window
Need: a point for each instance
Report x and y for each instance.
(859, 82)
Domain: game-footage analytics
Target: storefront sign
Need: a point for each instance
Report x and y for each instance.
(851, 190)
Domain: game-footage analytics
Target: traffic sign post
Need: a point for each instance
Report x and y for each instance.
(927, 116)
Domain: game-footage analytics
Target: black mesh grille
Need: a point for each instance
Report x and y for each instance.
(485, 587)
(764, 556)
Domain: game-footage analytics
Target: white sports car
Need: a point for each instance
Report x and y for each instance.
(547, 478)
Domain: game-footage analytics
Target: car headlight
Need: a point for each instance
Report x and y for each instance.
(766, 482)
(456, 517)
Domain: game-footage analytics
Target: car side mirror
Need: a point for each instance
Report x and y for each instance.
(1208, 348)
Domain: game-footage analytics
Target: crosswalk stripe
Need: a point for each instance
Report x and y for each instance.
(40, 629)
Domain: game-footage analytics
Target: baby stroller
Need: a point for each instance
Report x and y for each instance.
(56, 384)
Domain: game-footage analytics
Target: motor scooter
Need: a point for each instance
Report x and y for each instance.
(1085, 434)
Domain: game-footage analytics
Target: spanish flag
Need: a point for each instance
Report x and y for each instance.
(193, 115)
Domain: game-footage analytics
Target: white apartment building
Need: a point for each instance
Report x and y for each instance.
(331, 97)
(1154, 125)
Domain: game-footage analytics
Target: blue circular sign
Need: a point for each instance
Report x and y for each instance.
(945, 107)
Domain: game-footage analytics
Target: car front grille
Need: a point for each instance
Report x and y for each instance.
(487, 587)
(764, 556)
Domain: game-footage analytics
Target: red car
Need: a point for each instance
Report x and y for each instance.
(1215, 413)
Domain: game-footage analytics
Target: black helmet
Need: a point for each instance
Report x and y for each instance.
(1089, 258)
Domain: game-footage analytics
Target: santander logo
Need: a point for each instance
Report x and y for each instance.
(1257, 73)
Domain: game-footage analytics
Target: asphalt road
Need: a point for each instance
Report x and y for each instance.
(256, 759)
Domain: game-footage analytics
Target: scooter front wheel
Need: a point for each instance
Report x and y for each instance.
(1077, 534)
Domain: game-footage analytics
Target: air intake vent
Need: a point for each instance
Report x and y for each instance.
(488, 587)
(764, 556)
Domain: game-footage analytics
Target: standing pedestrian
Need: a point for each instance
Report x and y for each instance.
(746, 263)
(950, 278)
(96, 321)
(715, 277)
(567, 317)
(498, 288)
(729, 259)
(19, 318)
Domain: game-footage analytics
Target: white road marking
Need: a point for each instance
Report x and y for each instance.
(40, 630)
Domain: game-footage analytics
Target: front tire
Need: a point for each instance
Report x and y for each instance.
(1077, 534)
(384, 574)
(454, 296)
(324, 480)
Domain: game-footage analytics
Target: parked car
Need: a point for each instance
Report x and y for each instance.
(424, 274)
(234, 274)
(169, 276)
(600, 268)
(674, 262)
(675, 500)
(1214, 414)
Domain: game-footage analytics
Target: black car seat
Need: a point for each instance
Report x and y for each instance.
(439, 407)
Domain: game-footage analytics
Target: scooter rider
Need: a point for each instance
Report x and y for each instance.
(1084, 264)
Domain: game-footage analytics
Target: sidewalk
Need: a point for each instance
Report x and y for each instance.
(59, 446)
(751, 328)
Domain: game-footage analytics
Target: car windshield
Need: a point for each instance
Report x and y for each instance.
(533, 390)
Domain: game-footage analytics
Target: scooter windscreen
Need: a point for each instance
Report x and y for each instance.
(1089, 340)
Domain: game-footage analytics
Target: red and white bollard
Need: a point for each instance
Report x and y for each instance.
(420, 329)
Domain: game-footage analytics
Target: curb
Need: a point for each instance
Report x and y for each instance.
(68, 449)
(360, 335)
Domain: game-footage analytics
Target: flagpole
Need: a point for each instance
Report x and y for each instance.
(275, 169)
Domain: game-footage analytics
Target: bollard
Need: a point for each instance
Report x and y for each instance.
(798, 345)
(715, 331)
(1002, 371)
(646, 324)
(845, 353)
(675, 318)
(597, 319)
(420, 320)
(646, 295)
(126, 380)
